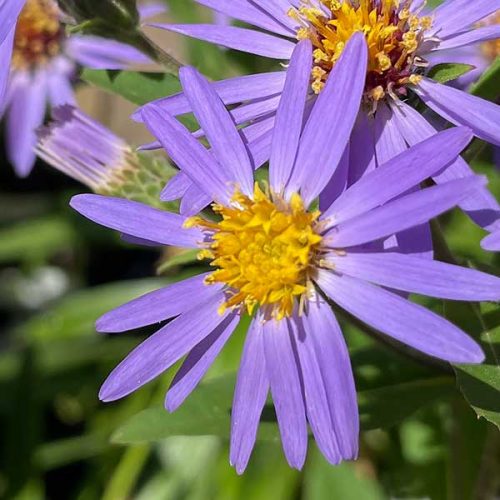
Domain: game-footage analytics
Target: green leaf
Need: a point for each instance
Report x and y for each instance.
(446, 72)
(35, 240)
(207, 411)
(322, 481)
(75, 315)
(387, 406)
(137, 87)
(480, 385)
(487, 86)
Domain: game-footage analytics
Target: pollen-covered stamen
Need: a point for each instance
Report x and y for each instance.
(264, 250)
(392, 32)
(39, 34)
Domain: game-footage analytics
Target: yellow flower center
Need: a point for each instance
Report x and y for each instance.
(392, 33)
(491, 48)
(38, 34)
(264, 251)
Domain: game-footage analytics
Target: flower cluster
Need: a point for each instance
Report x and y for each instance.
(338, 218)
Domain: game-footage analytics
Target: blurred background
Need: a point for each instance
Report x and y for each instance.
(59, 273)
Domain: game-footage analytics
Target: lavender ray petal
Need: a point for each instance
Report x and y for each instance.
(164, 348)
(158, 305)
(252, 387)
(401, 319)
(137, 219)
(197, 363)
(283, 373)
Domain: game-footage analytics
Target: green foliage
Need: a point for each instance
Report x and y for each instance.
(447, 72)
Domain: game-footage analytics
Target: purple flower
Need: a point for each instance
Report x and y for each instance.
(85, 150)
(274, 255)
(401, 38)
(43, 66)
(9, 10)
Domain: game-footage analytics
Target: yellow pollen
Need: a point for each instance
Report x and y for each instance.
(264, 251)
(38, 34)
(393, 35)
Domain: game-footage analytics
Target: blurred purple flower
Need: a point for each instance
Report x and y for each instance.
(84, 149)
(43, 66)
(272, 252)
(387, 125)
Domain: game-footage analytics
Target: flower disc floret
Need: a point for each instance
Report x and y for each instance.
(264, 250)
(393, 34)
(39, 34)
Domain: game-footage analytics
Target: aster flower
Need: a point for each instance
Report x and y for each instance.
(400, 38)
(277, 258)
(43, 65)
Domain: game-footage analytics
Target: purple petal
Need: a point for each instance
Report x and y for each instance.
(160, 351)
(248, 13)
(245, 40)
(231, 91)
(470, 37)
(283, 373)
(189, 155)
(194, 201)
(103, 53)
(176, 187)
(5, 57)
(198, 362)
(151, 10)
(252, 386)
(399, 174)
(219, 128)
(9, 11)
(491, 242)
(137, 219)
(462, 108)
(362, 148)
(481, 206)
(290, 116)
(329, 388)
(406, 212)
(401, 319)
(26, 114)
(389, 141)
(454, 16)
(60, 89)
(410, 274)
(326, 134)
(338, 183)
(158, 306)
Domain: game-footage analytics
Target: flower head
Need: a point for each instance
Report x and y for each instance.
(401, 39)
(274, 254)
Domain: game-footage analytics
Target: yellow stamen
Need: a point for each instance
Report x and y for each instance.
(393, 34)
(38, 34)
(264, 250)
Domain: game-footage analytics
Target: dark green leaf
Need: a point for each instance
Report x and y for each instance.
(137, 87)
(447, 72)
(487, 86)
